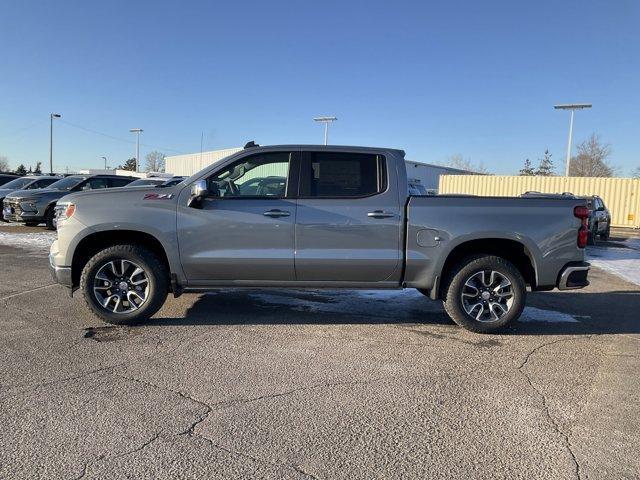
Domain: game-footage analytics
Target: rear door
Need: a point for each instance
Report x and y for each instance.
(348, 224)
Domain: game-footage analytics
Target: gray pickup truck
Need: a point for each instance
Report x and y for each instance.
(315, 217)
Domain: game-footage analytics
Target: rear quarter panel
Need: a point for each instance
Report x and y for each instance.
(546, 227)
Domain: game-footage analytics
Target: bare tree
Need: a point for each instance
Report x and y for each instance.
(591, 160)
(636, 173)
(458, 161)
(4, 164)
(154, 162)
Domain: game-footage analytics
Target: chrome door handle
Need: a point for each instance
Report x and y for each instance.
(276, 213)
(380, 214)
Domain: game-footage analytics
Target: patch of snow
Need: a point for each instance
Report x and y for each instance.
(620, 261)
(533, 314)
(40, 241)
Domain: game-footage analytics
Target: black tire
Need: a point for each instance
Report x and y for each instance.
(49, 217)
(155, 270)
(607, 233)
(463, 272)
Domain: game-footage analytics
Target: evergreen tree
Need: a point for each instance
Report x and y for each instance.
(38, 169)
(130, 165)
(545, 169)
(21, 170)
(527, 170)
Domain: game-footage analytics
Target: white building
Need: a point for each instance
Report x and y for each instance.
(190, 163)
(428, 175)
(418, 173)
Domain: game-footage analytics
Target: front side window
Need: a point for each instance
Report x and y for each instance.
(329, 174)
(262, 175)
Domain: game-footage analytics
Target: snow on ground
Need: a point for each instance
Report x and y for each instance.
(379, 303)
(621, 261)
(33, 241)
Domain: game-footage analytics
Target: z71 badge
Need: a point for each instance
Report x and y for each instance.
(158, 196)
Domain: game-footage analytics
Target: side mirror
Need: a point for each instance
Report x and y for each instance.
(199, 190)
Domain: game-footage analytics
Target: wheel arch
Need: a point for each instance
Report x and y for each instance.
(96, 241)
(512, 250)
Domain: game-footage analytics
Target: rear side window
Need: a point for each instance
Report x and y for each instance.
(342, 175)
(119, 182)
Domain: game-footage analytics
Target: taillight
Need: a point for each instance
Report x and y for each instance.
(582, 213)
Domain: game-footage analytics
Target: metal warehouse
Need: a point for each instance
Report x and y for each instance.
(418, 173)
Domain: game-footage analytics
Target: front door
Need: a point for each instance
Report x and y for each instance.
(348, 226)
(245, 231)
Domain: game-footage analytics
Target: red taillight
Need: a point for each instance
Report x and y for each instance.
(582, 213)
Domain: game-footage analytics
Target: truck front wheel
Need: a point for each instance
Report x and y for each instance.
(484, 293)
(124, 284)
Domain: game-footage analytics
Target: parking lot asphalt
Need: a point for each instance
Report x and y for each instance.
(314, 385)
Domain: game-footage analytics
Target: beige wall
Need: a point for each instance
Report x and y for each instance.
(621, 195)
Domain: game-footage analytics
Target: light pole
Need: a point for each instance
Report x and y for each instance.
(51, 117)
(326, 121)
(137, 131)
(105, 162)
(573, 107)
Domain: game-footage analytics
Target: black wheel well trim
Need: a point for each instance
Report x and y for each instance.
(512, 250)
(97, 241)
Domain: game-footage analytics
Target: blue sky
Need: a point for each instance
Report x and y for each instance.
(434, 78)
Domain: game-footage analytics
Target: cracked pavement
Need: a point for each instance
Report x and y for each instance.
(243, 385)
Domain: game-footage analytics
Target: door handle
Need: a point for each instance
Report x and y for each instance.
(276, 213)
(380, 214)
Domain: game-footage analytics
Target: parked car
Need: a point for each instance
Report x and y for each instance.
(7, 177)
(599, 219)
(342, 218)
(37, 206)
(151, 181)
(173, 181)
(26, 183)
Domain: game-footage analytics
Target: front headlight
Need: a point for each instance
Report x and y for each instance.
(64, 211)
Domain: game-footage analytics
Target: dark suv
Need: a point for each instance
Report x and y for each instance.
(37, 206)
(599, 219)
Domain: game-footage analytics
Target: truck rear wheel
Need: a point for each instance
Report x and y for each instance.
(124, 284)
(484, 293)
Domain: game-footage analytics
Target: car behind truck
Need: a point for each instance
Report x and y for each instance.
(341, 217)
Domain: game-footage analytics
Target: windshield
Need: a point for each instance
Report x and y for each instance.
(18, 183)
(66, 183)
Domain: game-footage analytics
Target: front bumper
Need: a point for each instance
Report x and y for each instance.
(12, 212)
(573, 275)
(61, 275)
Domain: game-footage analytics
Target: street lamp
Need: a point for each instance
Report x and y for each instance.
(326, 121)
(51, 117)
(137, 131)
(105, 162)
(573, 107)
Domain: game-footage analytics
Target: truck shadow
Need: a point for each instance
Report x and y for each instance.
(547, 313)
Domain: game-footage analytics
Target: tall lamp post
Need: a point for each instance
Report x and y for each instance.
(137, 131)
(573, 107)
(51, 117)
(326, 121)
(105, 162)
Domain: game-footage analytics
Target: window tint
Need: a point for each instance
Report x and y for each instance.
(119, 182)
(263, 175)
(342, 175)
(95, 183)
